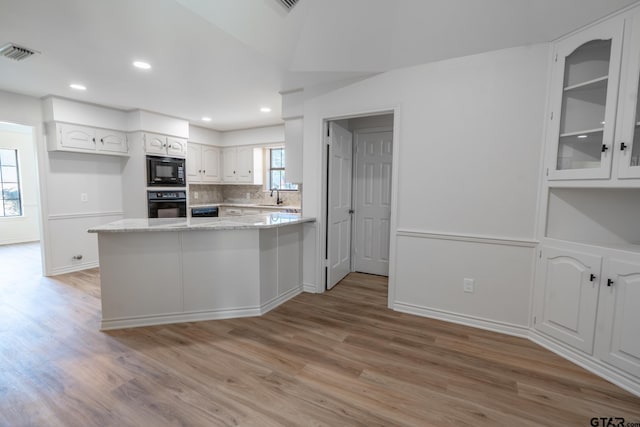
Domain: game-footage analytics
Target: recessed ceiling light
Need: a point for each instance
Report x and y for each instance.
(142, 65)
(206, 119)
(582, 136)
(77, 86)
(265, 110)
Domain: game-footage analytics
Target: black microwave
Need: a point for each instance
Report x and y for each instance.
(165, 171)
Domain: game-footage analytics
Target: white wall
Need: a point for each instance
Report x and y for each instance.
(261, 135)
(467, 142)
(25, 228)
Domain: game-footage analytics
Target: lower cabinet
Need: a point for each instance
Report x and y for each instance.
(588, 298)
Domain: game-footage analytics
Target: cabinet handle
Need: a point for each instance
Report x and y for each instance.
(609, 282)
(94, 140)
(200, 171)
(102, 140)
(249, 171)
(623, 146)
(605, 147)
(234, 172)
(203, 171)
(592, 277)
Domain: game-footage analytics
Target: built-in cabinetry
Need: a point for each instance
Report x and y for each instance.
(163, 145)
(85, 139)
(587, 286)
(242, 165)
(203, 164)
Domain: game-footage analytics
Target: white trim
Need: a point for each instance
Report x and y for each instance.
(274, 302)
(309, 287)
(76, 215)
(73, 268)
(474, 238)
(17, 241)
(195, 316)
(592, 365)
(462, 319)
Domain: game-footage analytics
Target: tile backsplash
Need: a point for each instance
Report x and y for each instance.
(239, 194)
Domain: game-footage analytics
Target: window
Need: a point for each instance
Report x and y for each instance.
(276, 177)
(10, 183)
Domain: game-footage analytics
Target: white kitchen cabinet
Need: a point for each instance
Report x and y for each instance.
(618, 338)
(239, 165)
(203, 164)
(162, 145)
(85, 139)
(569, 281)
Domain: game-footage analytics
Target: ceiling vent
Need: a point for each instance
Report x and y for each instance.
(288, 4)
(15, 52)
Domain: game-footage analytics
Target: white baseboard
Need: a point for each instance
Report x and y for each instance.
(584, 361)
(308, 287)
(224, 313)
(476, 322)
(71, 268)
(270, 305)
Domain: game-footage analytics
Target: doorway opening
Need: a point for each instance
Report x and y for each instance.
(20, 232)
(358, 196)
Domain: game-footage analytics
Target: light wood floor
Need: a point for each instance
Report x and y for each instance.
(337, 359)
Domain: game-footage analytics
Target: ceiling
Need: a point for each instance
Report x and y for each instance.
(225, 59)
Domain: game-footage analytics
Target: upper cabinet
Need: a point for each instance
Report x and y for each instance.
(594, 116)
(584, 96)
(203, 164)
(242, 165)
(84, 139)
(163, 145)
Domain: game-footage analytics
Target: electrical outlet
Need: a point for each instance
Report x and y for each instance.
(469, 285)
(195, 195)
(84, 197)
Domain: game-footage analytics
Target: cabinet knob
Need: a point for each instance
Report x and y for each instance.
(623, 146)
(102, 140)
(249, 171)
(592, 277)
(94, 140)
(234, 172)
(605, 147)
(203, 171)
(200, 171)
(609, 282)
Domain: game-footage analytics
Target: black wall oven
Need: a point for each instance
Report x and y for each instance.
(167, 204)
(165, 171)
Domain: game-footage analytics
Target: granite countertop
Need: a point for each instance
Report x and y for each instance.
(264, 220)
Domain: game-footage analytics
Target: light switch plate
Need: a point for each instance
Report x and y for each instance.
(469, 285)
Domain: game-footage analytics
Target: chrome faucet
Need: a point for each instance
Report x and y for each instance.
(279, 201)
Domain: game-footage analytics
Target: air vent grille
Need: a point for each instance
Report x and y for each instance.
(288, 3)
(15, 52)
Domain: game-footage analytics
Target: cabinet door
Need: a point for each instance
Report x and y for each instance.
(585, 91)
(77, 137)
(211, 164)
(619, 316)
(155, 144)
(244, 164)
(111, 141)
(229, 160)
(176, 147)
(194, 163)
(627, 150)
(570, 296)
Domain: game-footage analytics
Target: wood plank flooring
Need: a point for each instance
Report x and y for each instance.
(337, 359)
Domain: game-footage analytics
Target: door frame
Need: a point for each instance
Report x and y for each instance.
(322, 223)
(354, 189)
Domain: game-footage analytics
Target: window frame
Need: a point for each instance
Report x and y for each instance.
(269, 168)
(18, 183)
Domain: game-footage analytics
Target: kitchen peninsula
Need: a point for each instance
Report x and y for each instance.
(158, 271)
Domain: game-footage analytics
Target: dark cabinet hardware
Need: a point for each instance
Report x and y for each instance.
(623, 146)
(605, 147)
(609, 282)
(592, 277)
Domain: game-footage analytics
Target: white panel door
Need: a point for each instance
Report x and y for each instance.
(111, 141)
(571, 283)
(155, 144)
(194, 163)
(619, 316)
(211, 164)
(244, 165)
(339, 200)
(229, 156)
(77, 137)
(372, 202)
(176, 147)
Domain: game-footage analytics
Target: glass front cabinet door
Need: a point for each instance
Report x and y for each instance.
(627, 150)
(583, 111)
